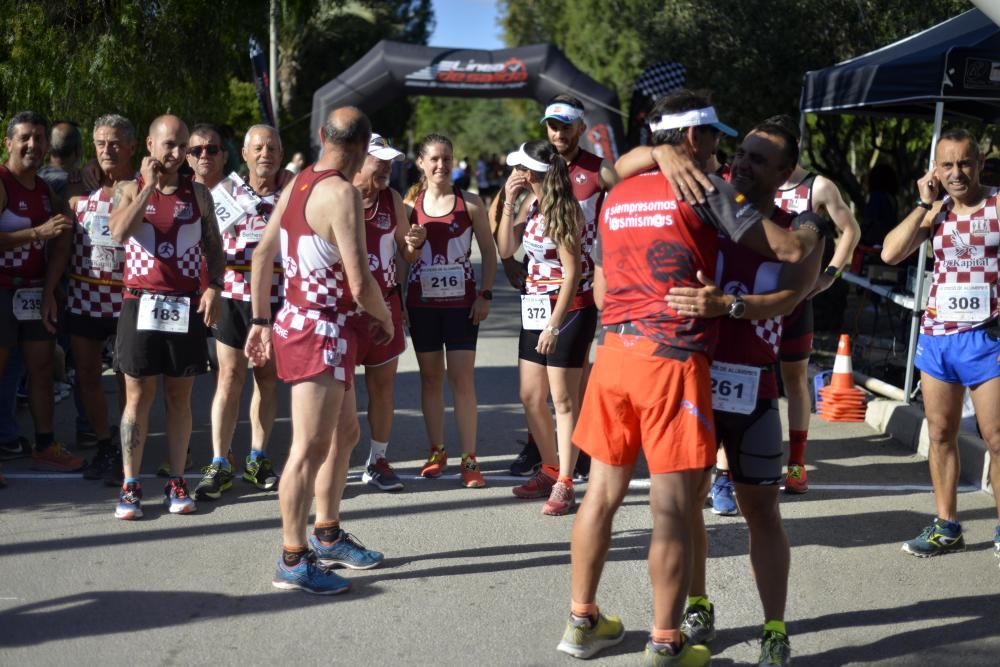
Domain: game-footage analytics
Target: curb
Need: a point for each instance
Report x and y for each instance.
(907, 424)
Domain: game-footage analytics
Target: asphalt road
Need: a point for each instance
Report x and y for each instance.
(474, 577)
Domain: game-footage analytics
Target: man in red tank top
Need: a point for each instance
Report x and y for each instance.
(168, 226)
(320, 224)
(35, 239)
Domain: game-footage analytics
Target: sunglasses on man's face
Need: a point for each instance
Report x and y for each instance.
(211, 149)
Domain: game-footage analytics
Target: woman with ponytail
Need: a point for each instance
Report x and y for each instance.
(558, 315)
(443, 304)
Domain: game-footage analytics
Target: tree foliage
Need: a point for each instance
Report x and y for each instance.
(477, 126)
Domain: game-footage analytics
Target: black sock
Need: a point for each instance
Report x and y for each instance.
(292, 558)
(43, 440)
(721, 473)
(104, 444)
(328, 534)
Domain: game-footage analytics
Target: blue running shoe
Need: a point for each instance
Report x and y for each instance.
(310, 577)
(723, 498)
(996, 542)
(129, 502)
(345, 552)
(177, 498)
(940, 537)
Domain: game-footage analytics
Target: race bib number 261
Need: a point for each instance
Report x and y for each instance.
(734, 387)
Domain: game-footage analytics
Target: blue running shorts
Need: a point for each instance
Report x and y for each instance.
(968, 358)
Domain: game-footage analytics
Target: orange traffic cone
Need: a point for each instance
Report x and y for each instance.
(841, 401)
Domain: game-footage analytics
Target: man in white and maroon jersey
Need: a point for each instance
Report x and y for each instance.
(959, 344)
(95, 287)
(319, 229)
(35, 243)
(167, 224)
(242, 210)
(592, 177)
(387, 234)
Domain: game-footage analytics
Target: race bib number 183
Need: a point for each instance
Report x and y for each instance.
(158, 312)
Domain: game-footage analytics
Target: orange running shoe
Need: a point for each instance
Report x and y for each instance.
(795, 480)
(539, 486)
(436, 462)
(472, 476)
(55, 458)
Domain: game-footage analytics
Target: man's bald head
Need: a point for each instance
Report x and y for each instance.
(167, 123)
(346, 127)
(167, 142)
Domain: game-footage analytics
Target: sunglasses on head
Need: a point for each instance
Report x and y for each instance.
(211, 149)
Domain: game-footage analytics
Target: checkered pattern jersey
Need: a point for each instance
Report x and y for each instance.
(25, 208)
(740, 271)
(545, 271)
(380, 239)
(449, 241)
(95, 271)
(164, 254)
(798, 198)
(239, 243)
(585, 175)
(965, 252)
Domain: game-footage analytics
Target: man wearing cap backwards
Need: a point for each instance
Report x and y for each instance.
(650, 388)
(592, 177)
(243, 210)
(386, 233)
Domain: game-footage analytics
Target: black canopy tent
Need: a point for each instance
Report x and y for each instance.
(393, 69)
(950, 69)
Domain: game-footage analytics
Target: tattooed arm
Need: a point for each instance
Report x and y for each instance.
(215, 258)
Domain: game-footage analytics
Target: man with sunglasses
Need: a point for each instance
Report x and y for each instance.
(592, 177)
(243, 209)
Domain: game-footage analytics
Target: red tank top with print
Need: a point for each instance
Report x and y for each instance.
(585, 175)
(314, 274)
(442, 276)
(97, 263)
(164, 254)
(380, 240)
(26, 207)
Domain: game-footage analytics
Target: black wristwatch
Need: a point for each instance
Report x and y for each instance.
(260, 321)
(924, 205)
(487, 294)
(737, 308)
(832, 271)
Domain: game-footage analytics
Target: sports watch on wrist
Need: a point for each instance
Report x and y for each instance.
(737, 308)
(486, 294)
(832, 271)
(260, 321)
(552, 330)
(924, 205)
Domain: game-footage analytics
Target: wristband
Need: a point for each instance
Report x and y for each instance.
(260, 321)
(924, 205)
(811, 226)
(833, 271)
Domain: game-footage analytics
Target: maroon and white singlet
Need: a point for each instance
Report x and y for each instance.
(545, 269)
(442, 276)
(798, 198)
(380, 241)
(241, 240)
(23, 266)
(311, 333)
(585, 175)
(97, 263)
(963, 292)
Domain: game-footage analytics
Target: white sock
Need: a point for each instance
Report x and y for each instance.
(377, 451)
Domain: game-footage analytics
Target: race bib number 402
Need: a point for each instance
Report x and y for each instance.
(169, 314)
(442, 281)
(734, 387)
(227, 211)
(28, 304)
(963, 302)
(99, 231)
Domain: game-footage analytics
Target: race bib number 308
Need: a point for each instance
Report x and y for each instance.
(442, 281)
(734, 387)
(963, 302)
(169, 314)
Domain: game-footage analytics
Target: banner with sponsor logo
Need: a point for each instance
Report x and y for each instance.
(263, 80)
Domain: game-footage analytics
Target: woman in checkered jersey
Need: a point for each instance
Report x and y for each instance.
(558, 315)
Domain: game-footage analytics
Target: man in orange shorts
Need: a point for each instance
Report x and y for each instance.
(650, 387)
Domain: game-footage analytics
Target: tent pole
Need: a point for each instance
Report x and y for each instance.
(918, 283)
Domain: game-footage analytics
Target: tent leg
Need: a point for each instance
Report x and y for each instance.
(918, 283)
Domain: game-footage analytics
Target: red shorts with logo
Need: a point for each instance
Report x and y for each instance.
(309, 342)
(638, 399)
(371, 353)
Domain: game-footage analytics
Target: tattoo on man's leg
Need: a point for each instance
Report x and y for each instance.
(129, 435)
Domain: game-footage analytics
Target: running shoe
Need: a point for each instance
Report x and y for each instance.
(347, 552)
(795, 480)
(86, 439)
(177, 498)
(381, 475)
(528, 462)
(215, 480)
(261, 473)
(539, 486)
(436, 463)
(17, 448)
(581, 471)
(690, 655)
(698, 624)
(996, 542)
(940, 537)
(775, 649)
(583, 639)
(114, 475)
(561, 500)
(129, 502)
(722, 496)
(55, 458)
(472, 476)
(98, 465)
(310, 577)
(164, 469)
